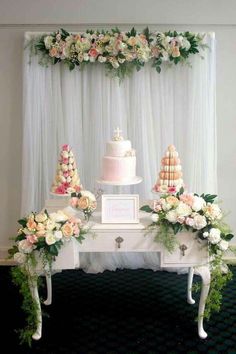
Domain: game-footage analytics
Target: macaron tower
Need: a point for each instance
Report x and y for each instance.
(170, 177)
(67, 179)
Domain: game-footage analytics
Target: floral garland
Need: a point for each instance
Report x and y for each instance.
(40, 238)
(120, 52)
(175, 212)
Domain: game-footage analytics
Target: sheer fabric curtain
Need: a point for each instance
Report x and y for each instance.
(153, 110)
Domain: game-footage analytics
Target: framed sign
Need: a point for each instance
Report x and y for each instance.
(120, 208)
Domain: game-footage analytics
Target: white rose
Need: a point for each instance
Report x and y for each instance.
(205, 234)
(50, 225)
(86, 57)
(58, 235)
(179, 39)
(68, 180)
(64, 167)
(214, 236)
(71, 160)
(213, 211)
(172, 216)
(199, 222)
(88, 194)
(71, 154)
(155, 217)
(25, 247)
(198, 203)
(65, 154)
(59, 216)
(70, 167)
(62, 179)
(41, 217)
(19, 257)
(102, 59)
(50, 238)
(183, 209)
(48, 41)
(223, 245)
(185, 44)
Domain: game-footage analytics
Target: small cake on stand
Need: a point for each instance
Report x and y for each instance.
(67, 178)
(119, 163)
(170, 177)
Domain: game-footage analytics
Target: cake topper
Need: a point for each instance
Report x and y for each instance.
(117, 135)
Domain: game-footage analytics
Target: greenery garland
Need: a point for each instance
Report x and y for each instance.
(120, 52)
(183, 211)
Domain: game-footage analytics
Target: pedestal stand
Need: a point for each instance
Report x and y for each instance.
(118, 184)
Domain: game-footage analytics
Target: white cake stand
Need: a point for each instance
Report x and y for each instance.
(119, 184)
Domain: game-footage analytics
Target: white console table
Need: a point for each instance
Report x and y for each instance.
(132, 238)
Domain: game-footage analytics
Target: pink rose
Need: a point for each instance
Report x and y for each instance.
(31, 239)
(93, 52)
(73, 202)
(189, 221)
(65, 147)
(77, 188)
(65, 174)
(65, 161)
(76, 229)
(172, 190)
(181, 219)
(60, 190)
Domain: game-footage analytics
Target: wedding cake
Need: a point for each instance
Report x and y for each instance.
(170, 176)
(67, 179)
(119, 163)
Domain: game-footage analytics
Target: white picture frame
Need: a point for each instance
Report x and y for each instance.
(120, 209)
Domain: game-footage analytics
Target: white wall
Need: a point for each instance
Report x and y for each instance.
(16, 17)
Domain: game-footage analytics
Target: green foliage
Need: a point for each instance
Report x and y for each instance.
(21, 278)
(146, 208)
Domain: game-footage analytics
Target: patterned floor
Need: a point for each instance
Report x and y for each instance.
(128, 312)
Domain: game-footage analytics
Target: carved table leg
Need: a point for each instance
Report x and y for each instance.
(205, 274)
(35, 295)
(190, 300)
(48, 276)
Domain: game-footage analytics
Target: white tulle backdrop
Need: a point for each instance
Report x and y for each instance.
(82, 108)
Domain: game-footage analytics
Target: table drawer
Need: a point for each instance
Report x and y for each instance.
(189, 251)
(119, 241)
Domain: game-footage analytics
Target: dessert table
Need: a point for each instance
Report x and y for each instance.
(190, 253)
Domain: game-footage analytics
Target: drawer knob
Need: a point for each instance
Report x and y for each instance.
(183, 248)
(119, 240)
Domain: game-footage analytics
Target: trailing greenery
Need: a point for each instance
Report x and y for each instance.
(21, 278)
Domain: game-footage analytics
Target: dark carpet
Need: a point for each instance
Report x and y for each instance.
(127, 311)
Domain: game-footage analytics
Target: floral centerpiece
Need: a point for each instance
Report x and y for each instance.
(120, 52)
(84, 201)
(39, 239)
(175, 212)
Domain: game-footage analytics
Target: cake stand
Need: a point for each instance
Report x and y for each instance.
(60, 195)
(118, 184)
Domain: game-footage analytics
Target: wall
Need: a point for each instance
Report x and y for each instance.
(16, 17)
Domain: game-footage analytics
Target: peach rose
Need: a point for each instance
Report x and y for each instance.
(93, 52)
(53, 52)
(175, 52)
(31, 224)
(67, 230)
(83, 203)
(173, 201)
(187, 199)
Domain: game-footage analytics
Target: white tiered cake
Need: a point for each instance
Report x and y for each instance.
(119, 163)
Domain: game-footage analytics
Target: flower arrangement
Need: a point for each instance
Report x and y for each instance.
(192, 212)
(84, 201)
(39, 238)
(119, 51)
(175, 212)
